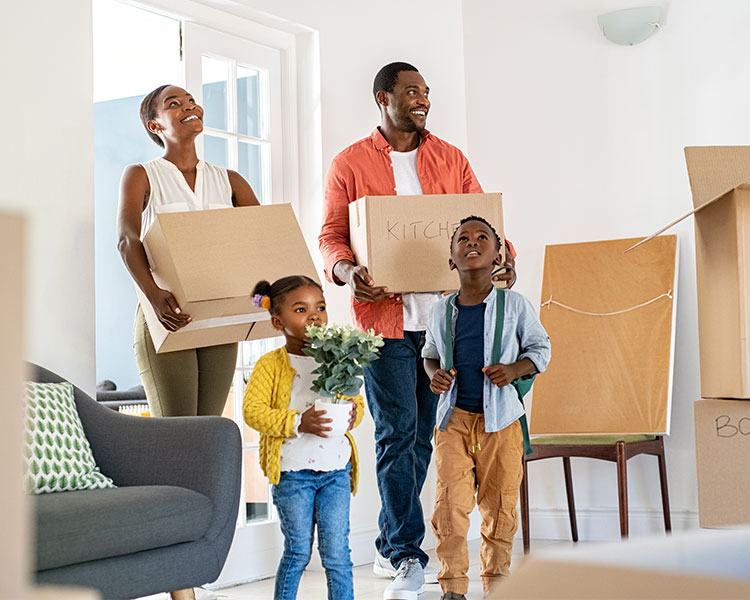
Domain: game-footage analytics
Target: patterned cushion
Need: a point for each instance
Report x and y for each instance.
(57, 454)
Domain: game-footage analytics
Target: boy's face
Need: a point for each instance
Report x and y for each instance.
(474, 247)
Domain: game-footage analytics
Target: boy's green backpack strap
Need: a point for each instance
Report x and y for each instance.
(449, 331)
(522, 385)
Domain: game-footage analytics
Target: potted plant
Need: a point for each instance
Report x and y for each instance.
(341, 352)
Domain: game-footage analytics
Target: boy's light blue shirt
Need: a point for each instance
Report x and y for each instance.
(523, 337)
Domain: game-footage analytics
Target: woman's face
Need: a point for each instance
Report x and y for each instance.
(177, 116)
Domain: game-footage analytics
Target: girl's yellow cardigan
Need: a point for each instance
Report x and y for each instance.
(266, 409)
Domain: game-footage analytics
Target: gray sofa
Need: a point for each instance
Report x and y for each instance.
(169, 523)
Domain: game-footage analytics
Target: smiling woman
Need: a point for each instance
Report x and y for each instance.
(186, 382)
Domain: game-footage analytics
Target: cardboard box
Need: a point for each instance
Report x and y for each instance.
(722, 451)
(404, 241)
(612, 341)
(211, 260)
(698, 564)
(15, 518)
(720, 183)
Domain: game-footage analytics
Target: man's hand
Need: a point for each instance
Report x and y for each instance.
(167, 310)
(352, 416)
(362, 285)
(313, 421)
(507, 272)
(501, 375)
(441, 381)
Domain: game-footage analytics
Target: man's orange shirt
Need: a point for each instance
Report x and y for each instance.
(365, 169)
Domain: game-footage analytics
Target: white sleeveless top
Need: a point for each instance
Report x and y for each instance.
(171, 193)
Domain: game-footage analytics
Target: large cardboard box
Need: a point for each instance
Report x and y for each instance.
(720, 183)
(722, 451)
(15, 553)
(404, 241)
(695, 565)
(211, 260)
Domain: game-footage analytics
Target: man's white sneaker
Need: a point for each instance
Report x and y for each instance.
(383, 567)
(408, 582)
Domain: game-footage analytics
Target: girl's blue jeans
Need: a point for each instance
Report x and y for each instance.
(305, 500)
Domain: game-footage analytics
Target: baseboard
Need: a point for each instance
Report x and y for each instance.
(594, 524)
(603, 524)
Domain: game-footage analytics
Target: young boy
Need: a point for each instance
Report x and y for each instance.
(472, 364)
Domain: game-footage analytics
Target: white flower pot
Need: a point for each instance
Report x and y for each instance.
(340, 413)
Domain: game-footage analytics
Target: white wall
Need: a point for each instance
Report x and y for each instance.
(585, 140)
(46, 160)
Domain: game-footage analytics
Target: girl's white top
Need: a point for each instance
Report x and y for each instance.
(170, 191)
(307, 450)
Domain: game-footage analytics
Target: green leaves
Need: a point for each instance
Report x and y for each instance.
(341, 352)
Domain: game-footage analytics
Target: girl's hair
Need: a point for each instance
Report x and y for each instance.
(498, 241)
(281, 287)
(148, 111)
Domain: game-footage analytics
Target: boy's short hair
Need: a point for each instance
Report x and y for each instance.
(498, 241)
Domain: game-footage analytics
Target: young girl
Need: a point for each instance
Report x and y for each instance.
(313, 474)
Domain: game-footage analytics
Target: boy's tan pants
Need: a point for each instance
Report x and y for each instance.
(470, 460)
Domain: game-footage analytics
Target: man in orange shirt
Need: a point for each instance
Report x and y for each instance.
(400, 157)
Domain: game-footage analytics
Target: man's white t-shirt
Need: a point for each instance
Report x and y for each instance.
(417, 306)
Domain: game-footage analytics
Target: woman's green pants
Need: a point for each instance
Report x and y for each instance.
(184, 382)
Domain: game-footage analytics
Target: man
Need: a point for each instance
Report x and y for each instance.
(398, 157)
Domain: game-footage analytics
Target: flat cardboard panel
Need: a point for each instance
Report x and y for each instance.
(404, 241)
(211, 260)
(608, 374)
(14, 522)
(722, 449)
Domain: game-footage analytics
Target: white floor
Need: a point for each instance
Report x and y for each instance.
(368, 586)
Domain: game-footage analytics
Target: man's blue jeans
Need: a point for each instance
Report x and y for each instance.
(403, 408)
(304, 500)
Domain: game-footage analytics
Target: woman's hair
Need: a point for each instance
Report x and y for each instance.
(281, 287)
(148, 111)
(498, 241)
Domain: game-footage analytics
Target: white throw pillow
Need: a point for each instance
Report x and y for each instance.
(57, 454)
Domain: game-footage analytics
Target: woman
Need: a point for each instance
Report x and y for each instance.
(185, 382)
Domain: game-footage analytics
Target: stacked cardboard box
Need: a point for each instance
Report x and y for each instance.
(720, 183)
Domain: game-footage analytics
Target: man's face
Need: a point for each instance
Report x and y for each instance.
(408, 104)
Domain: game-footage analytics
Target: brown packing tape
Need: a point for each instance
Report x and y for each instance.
(608, 375)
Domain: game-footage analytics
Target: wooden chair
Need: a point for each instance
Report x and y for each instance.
(604, 447)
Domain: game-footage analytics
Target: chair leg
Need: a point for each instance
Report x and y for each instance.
(622, 488)
(663, 482)
(571, 499)
(525, 508)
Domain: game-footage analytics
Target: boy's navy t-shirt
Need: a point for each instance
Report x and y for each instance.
(468, 357)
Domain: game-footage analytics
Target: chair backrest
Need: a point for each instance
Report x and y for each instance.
(87, 407)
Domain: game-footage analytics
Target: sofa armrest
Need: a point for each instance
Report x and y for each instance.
(199, 453)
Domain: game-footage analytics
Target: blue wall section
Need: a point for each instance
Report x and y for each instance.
(119, 140)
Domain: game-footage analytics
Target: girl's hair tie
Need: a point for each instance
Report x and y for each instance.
(261, 301)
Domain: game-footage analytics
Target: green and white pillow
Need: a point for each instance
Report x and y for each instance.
(57, 454)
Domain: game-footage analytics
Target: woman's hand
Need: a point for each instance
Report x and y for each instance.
(442, 380)
(167, 310)
(313, 421)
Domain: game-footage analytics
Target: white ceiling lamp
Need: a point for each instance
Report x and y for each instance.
(631, 25)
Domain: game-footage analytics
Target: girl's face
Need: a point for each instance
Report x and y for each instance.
(177, 114)
(299, 308)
